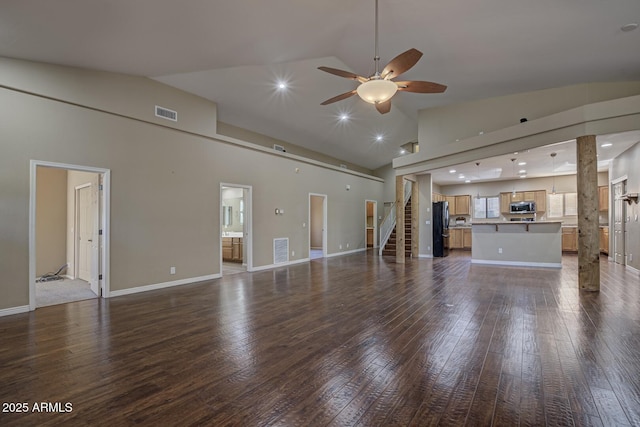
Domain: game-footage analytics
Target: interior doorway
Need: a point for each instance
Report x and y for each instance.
(619, 215)
(317, 226)
(235, 229)
(371, 223)
(68, 239)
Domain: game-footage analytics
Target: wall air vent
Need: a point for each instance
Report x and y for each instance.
(280, 250)
(165, 113)
(279, 148)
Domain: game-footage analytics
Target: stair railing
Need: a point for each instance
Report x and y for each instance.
(389, 221)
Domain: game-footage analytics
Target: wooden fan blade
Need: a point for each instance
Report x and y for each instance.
(339, 97)
(342, 73)
(383, 107)
(401, 63)
(421, 87)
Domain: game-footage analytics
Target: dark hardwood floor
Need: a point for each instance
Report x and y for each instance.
(353, 340)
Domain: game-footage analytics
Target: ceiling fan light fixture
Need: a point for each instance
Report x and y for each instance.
(376, 91)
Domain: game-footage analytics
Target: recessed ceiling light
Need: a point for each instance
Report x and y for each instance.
(378, 137)
(403, 151)
(467, 181)
(344, 116)
(522, 171)
(522, 163)
(452, 171)
(606, 144)
(629, 27)
(282, 85)
(461, 176)
(515, 152)
(523, 176)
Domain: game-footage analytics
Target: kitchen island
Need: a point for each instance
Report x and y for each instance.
(524, 244)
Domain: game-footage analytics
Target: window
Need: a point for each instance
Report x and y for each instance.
(486, 207)
(564, 204)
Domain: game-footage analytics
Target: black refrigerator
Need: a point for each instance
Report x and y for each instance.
(440, 228)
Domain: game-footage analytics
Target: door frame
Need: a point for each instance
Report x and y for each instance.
(324, 223)
(375, 222)
(247, 240)
(104, 200)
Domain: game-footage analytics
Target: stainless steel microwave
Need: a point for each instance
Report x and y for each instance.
(522, 207)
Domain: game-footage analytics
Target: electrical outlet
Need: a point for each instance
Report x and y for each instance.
(499, 250)
(172, 270)
(293, 253)
(340, 246)
(347, 246)
(630, 257)
(428, 248)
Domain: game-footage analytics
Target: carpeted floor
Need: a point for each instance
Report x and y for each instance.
(62, 291)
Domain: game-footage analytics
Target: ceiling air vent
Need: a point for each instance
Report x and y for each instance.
(280, 250)
(279, 148)
(165, 113)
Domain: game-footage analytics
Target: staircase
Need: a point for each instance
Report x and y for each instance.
(390, 247)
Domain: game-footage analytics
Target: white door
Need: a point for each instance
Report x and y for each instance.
(87, 244)
(84, 233)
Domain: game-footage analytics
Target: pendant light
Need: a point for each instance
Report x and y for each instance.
(553, 172)
(513, 173)
(478, 174)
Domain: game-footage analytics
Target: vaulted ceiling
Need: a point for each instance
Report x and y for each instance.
(236, 52)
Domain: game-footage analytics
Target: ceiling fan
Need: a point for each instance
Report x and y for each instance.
(379, 88)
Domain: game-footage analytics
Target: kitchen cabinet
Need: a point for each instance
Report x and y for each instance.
(505, 200)
(451, 200)
(232, 249)
(569, 239)
(540, 197)
(437, 197)
(466, 238)
(518, 197)
(603, 198)
(529, 196)
(604, 240)
(463, 205)
(455, 238)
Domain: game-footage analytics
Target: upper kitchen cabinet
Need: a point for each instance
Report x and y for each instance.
(603, 198)
(463, 205)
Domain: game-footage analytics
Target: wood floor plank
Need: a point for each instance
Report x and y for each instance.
(351, 340)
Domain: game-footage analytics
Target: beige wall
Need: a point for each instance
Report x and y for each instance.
(164, 181)
(266, 141)
(51, 219)
(425, 214)
(443, 125)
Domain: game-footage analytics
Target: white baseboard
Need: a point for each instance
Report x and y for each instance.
(633, 269)
(517, 263)
(425, 256)
(282, 264)
(14, 310)
(156, 286)
(353, 251)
